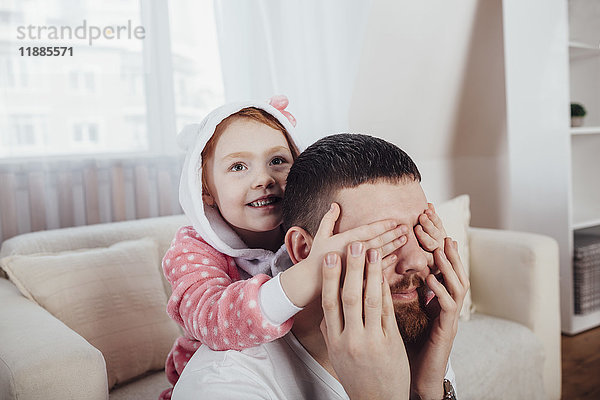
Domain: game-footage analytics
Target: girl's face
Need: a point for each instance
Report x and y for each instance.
(247, 173)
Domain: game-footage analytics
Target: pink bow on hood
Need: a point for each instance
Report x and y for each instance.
(280, 102)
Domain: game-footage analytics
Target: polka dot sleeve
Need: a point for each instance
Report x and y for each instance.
(210, 302)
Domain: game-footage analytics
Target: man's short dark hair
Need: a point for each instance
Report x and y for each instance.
(338, 162)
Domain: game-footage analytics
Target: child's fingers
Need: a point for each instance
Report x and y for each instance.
(372, 299)
(427, 224)
(387, 252)
(425, 240)
(330, 294)
(375, 235)
(435, 231)
(328, 222)
(389, 241)
(435, 219)
(388, 261)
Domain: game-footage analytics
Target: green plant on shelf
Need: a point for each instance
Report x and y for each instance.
(577, 110)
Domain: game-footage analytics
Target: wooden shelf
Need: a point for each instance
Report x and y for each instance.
(586, 130)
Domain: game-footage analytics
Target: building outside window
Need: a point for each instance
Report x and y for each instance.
(110, 87)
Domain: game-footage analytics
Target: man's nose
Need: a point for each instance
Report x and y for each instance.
(412, 259)
(263, 178)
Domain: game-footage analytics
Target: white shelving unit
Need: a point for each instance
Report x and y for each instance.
(584, 65)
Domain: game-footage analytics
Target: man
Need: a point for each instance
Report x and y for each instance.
(349, 345)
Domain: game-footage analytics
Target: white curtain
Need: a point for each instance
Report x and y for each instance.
(306, 49)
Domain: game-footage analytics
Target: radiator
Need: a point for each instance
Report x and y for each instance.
(54, 194)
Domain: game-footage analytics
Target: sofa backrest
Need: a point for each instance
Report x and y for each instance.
(162, 229)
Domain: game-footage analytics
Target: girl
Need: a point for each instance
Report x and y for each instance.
(221, 267)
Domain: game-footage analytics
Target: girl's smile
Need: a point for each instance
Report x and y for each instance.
(246, 176)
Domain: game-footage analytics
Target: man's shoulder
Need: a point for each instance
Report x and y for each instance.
(247, 359)
(281, 369)
(246, 374)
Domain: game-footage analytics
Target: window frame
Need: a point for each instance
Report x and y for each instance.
(158, 84)
(160, 91)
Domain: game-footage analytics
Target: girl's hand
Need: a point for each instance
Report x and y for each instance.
(430, 233)
(302, 282)
(385, 236)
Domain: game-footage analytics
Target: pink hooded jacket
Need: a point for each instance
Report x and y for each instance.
(223, 295)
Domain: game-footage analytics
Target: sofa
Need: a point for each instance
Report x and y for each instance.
(507, 346)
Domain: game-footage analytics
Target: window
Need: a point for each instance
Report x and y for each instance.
(135, 126)
(85, 134)
(7, 74)
(130, 77)
(24, 133)
(198, 83)
(124, 94)
(82, 81)
(17, 73)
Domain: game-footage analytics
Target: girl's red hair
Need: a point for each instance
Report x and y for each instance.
(253, 113)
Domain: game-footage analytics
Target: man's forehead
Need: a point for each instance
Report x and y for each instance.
(371, 202)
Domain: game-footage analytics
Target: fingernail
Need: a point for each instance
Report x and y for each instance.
(372, 255)
(455, 244)
(331, 260)
(331, 207)
(356, 249)
(403, 240)
(403, 229)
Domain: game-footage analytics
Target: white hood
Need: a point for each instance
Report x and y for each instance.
(207, 221)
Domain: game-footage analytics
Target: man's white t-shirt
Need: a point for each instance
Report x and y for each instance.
(281, 369)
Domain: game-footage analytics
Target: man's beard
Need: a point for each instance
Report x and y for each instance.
(412, 319)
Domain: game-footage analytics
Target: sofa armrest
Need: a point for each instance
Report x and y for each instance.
(515, 276)
(41, 358)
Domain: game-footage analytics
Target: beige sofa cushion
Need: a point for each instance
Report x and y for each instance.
(456, 216)
(494, 358)
(112, 296)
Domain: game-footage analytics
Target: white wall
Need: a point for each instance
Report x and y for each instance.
(477, 92)
(431, 80)
(537, 92)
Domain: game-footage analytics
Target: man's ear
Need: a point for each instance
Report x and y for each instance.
(298, 243)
